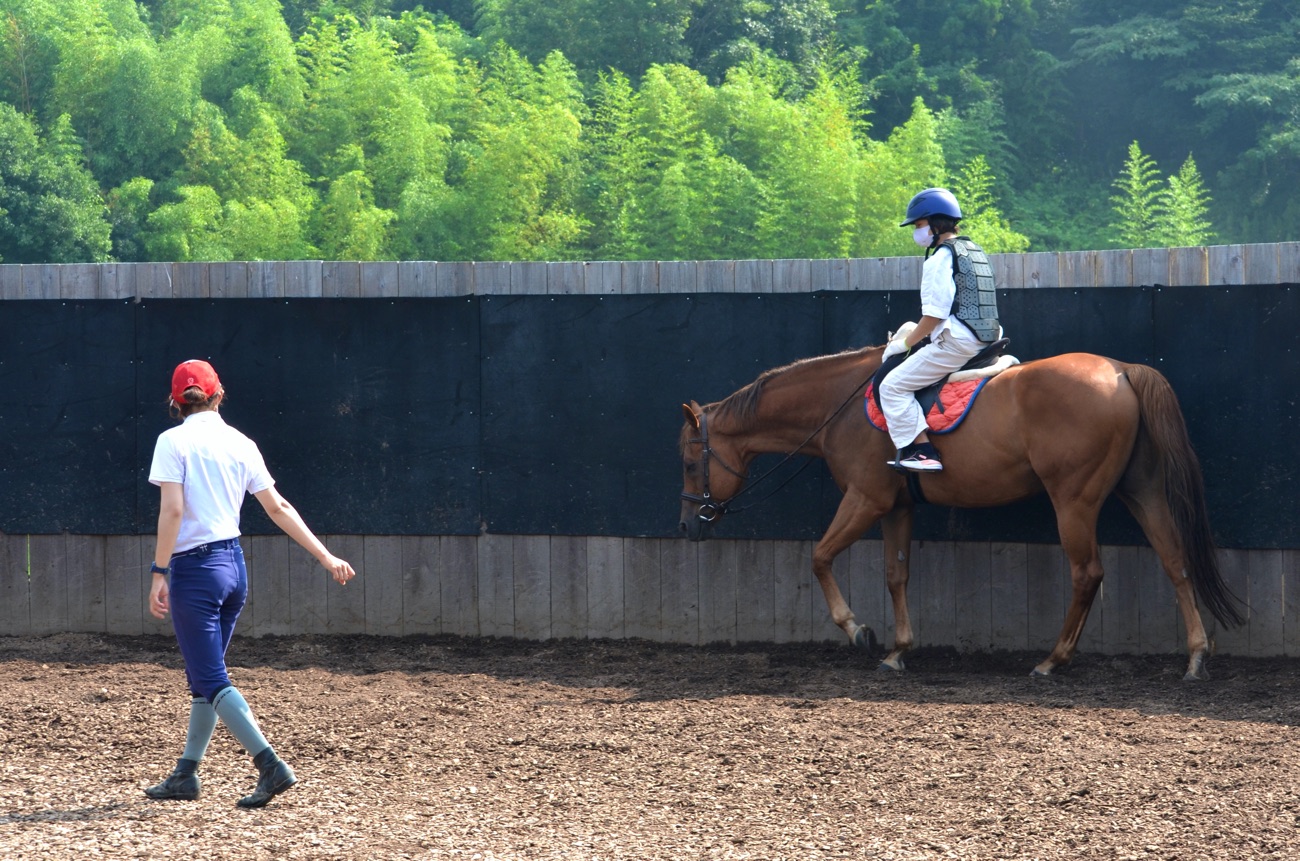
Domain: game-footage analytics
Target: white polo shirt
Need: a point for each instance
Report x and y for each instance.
(216, 465)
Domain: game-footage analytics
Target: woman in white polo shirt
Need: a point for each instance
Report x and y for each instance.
(204, 467)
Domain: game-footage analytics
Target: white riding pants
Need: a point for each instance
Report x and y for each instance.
(924, 367)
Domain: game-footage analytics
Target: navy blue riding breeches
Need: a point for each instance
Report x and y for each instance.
(209, 585)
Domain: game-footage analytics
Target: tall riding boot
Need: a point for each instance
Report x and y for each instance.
(274, 777)
(182, 784)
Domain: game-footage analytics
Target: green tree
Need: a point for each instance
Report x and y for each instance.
(981, 218)
(1136, 208)
(189, 229)
(1185, 205)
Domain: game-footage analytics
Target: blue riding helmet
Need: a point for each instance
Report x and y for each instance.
(932, 201)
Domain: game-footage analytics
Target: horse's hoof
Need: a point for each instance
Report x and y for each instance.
(1039, 673)
(865, 639)
(896, 667)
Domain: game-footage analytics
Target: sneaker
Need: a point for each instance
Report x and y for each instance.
(923, 458)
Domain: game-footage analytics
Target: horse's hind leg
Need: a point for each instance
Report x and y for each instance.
(1078, 528)
(1153, 515)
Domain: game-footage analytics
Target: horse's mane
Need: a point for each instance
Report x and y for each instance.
(741, 406)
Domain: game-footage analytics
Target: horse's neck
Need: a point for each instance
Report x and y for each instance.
(796, 404)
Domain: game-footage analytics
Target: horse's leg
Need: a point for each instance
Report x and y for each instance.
(1077, 523)
(897, 530)
(1152, 514)
(855, 516)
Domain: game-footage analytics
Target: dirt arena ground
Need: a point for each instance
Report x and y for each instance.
(444, 748)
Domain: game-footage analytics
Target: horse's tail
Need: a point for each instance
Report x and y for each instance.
(1184, 487)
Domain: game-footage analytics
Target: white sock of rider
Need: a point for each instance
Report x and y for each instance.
(234, 712)
(203, 720)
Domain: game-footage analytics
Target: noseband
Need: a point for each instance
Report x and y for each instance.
(710, 510)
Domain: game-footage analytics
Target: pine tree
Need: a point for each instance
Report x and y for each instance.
(1185, 204)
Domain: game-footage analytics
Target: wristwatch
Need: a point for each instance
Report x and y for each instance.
(154, 569)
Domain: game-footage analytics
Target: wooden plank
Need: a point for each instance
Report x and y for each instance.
(755, 592)
(1291, 605)
(1234, 565)
(973, 594)
(640, 277)
(228, 280)
(492, 278)
(930, 595)
(532, 585)
(379, 279)
(267, 558)
(839, 274)
(1077, 268)
(190, 280)
(716, 276)
(1151, 267)
(1041, 269)
(79, 281)
(302, 279)
(1119, 600)
(496, 586)
(719, 585)
(154, 281)
(754, 276)
(417, 278)
(421, 584)
(792, 276)
(1114, 268)
(15, 587)
(1048, 595)
(309, 588)
(678, 276)
(528, 279)
(906, 272)
(1267, 603)
(641, 584)
(604, 277)
(11, 282)
(1226, 264)
(458, 581)
(605, 584)
(1009, 595)
(867, 592)
(566, 278)
(1158, 609)
(47, 565)
(1288, 262)
(340, 279)
(117, 280)
(1188, 267)
(455, 279)
(1262, 263)
(792, 591)
(266, 279)
(1008, 270)
(345, 605)
(126, 584)
(568, 568)
(868, 273)
(86, 583)
(679, 593)
(383, 585)
(40, 281)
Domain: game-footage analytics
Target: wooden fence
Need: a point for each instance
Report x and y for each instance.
(970, 595)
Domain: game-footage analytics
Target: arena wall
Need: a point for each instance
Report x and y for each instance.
(969, 594)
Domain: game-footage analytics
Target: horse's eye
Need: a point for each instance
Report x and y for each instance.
(692, 467)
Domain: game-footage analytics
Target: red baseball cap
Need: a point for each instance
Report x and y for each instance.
(194, 372)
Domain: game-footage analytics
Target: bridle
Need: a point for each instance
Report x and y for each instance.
(710, 508)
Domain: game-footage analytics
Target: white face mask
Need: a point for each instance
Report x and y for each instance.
(921, 236)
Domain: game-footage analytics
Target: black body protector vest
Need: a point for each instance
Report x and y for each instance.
(976, 302)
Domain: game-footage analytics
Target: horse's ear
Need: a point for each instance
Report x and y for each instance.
(692, 413)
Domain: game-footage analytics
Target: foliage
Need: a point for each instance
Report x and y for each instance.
(1138, 218)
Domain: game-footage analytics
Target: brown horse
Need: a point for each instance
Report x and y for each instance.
(1077, 426)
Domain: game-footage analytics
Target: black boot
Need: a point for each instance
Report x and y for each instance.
(182, 784)
(274, 777)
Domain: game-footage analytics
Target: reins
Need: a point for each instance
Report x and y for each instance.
(710, 509)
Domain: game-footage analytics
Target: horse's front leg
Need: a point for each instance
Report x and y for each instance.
(855, 516)
(897, 529)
